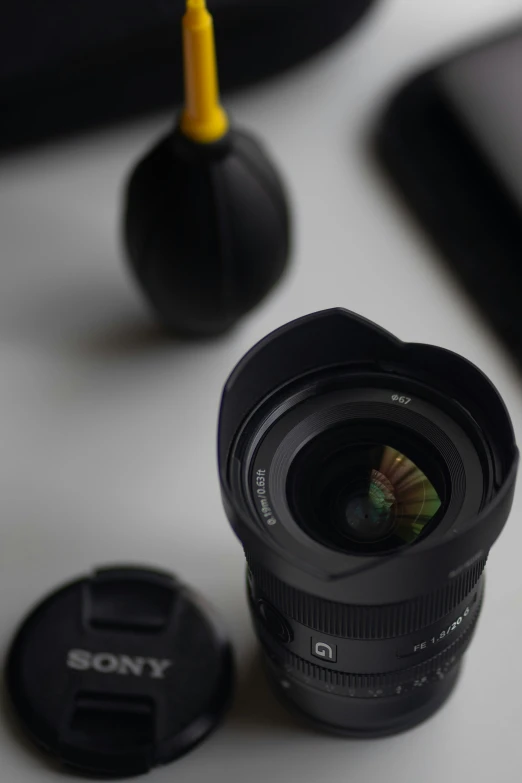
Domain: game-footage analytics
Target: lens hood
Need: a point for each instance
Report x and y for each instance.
(339, 342)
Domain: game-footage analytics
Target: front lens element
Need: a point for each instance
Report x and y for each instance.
(385, 493)
(363, 496)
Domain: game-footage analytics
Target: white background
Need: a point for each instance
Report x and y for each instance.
(108, 432)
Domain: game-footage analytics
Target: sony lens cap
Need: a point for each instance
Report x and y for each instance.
(120, 672)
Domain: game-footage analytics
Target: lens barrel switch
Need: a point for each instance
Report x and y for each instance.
(274, 622)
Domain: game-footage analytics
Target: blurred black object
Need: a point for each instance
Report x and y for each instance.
(65, 66)
(452, 141)
(207, 231)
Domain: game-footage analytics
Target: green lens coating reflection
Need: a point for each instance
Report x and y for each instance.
(399, 488)
(364, 495)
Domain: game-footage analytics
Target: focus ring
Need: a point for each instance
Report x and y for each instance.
(375, 685)
(365, 622)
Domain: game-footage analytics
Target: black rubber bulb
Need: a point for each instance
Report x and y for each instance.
(207, 230)
(207, 223)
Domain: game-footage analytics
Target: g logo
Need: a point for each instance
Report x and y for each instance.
(320, 649)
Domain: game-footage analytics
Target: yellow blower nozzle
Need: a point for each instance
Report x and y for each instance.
(203, 120)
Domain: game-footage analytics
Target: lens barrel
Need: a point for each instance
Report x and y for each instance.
(367, 480)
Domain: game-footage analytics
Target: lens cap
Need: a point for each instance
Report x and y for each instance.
(120, 672)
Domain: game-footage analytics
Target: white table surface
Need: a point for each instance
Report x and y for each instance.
(108, 432)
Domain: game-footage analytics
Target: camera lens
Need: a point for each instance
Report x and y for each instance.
(367, 480)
